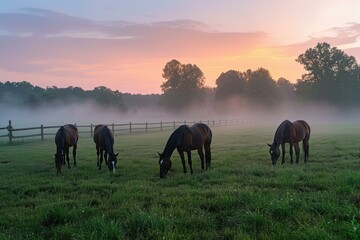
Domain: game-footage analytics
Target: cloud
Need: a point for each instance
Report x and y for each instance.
(346, 37)
(51, 43)
(52, 49)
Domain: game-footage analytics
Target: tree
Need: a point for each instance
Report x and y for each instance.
(286, 88)
(261, 87)
(331, 75)
(229, 84)
(108, 98)
(183, 85)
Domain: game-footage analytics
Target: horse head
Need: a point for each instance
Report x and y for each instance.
(59, 161)
(165, 165)
(112, 162)
(274, 153)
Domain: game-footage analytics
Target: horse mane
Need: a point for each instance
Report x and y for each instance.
(173, 140)
(280, 131)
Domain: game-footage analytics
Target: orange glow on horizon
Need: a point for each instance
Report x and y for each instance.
(144, 76)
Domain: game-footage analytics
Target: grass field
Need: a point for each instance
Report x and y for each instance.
(241, 197)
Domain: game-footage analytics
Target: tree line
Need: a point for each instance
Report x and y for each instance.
(25, 94)
(331, 77)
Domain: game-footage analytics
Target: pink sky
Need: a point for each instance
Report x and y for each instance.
(49, 48)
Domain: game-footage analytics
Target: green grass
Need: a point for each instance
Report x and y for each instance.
(241, 197)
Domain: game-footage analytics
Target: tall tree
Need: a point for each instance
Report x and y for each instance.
(184, 83)
(332, 75)
(261, 86)
(286, 88)
(229, 84)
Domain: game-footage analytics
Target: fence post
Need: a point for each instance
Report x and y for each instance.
(42, 132)
(174, 124)
(113, 128)
(9, 128)
(130, 127)
(91, 130)
(146, 126)
(161, 126)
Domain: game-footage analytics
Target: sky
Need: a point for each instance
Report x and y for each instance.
(124, 45)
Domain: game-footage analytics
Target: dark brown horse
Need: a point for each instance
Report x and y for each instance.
(66, 137)
(185, 139)
(292, 133)
(104, 141)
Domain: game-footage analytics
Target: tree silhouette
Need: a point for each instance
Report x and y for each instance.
(331, 76)
(261, 87)
(229, 84)
(183, 85)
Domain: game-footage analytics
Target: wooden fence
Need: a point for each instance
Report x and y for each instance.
(42, 131)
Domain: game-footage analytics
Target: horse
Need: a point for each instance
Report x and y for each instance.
(66, 137)
(292, 133)
(104, 141)
(185, 139)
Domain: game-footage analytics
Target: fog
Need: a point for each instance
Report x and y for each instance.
(87, 113)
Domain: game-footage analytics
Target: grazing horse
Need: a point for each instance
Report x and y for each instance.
(292, 133)
(66, 137)
(185, 139)
(104, 141)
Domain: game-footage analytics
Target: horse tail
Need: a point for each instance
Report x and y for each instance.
(307, 140)
(208, 134)
(308, 128)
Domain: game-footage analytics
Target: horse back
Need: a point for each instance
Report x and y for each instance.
(284, 133)
(72, 135)
(101, 134)
(205, 132)
(302, 130)
(197, 135)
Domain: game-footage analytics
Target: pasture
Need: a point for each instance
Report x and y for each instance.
(241, 197)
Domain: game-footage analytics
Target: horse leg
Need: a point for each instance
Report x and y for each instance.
(190, 161)
(291, 153)
(74, 154)
(207, 156)
(306, 149)
(201, 154)
(297, 152)
(105, 156)
(101, 158)
(97, 154)
(283, 153)
(67, 156)
(181, 153)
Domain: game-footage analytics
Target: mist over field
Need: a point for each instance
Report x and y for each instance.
(87, 113)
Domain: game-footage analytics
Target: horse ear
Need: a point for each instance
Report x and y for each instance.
(116, 154)
(159, 154)
(269, 145)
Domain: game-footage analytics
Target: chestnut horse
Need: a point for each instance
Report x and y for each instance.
(185, 139)
(292, 133)
(66, 137)
(104, 141)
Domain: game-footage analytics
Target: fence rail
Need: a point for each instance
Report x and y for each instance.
(41, 132)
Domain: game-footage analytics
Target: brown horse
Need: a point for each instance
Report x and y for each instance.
(104, 141)
(66, 137)
(292, 133)
(185, 139)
